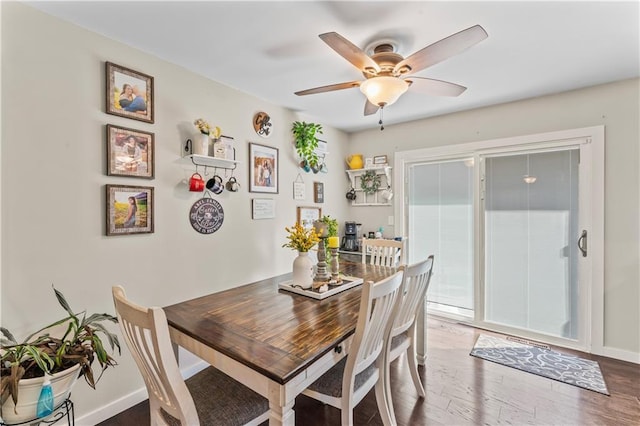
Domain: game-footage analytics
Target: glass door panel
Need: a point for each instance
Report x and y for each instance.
(531, 259)
(440, 222)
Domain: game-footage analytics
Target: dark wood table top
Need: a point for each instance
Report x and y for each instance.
(272, 331)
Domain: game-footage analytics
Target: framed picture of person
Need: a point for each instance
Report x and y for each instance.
(129, 93)
(130, 152)
(129, 210)
(263, 168)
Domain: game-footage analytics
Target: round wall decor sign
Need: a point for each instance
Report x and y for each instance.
(206, 215)
(262, 124)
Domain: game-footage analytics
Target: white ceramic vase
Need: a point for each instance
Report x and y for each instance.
(29, 392)
(201, 144)
(303, 270)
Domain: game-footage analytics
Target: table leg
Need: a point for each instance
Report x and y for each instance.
(281, 415)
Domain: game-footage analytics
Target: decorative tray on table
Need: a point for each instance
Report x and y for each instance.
(346, 283)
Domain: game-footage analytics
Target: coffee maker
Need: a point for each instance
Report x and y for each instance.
(350, 239)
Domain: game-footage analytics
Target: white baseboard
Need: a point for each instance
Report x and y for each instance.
(620, 354)
(107, 411)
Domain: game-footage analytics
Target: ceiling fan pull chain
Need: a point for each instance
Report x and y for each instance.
(380, 121)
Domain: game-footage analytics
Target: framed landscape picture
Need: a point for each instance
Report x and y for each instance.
(129, 93)
(263, 168)
(130, 152)
(129, 209)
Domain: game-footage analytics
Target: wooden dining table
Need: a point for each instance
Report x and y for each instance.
(273, 341)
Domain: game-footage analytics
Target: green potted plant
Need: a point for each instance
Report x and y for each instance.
(306, 141)
(63, 359)
(332, 225)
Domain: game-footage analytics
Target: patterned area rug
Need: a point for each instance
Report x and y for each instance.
(539, 359)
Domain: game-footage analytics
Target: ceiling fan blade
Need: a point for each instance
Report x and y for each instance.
(430, 86)
(351, 52)
(329, 88)
(441, 50)
(370, 108)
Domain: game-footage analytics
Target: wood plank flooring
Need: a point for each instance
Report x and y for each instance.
(464, 390)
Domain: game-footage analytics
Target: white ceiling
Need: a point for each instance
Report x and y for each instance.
(271, 49)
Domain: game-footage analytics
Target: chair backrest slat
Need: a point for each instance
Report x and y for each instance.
(146, 333)
(378, 305)
(414, 287)
(382, 252)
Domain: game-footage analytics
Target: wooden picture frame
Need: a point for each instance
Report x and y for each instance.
(129, 93)
(122, 219)
(263, 168)
(307, 215)
(130, 152)
(380, 160)
(318, 192)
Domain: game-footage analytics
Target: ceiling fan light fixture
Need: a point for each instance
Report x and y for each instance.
(384, 90)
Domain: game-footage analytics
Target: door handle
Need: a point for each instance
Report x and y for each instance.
(582, 243)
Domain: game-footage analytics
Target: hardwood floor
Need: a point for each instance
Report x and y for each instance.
(464, 390)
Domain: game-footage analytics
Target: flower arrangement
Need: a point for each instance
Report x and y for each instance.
(206, 129)
(301, 239)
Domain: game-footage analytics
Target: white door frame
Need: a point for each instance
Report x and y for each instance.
(592, 159)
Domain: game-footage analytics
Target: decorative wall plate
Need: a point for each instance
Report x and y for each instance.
(206, 215)
(262, 124)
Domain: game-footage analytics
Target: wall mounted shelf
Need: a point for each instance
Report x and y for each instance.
(374, 199)
(205, 160)
(208, 161)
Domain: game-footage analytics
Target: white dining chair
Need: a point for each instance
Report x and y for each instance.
(210, 397)
(403, 331)
(381, 251)
(347, 383)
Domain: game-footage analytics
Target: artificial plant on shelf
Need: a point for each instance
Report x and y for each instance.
(42, 353)
(306, 141)
(207, 129)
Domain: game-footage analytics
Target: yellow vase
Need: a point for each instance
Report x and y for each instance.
(355, 161)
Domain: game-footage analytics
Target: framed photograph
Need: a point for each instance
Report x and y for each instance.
(380, 159)
(129, 209)
(263, 208)
(368, 162)
(129, 93)
(318, 192)
(308, 215)
(130, 152)
(263, 168)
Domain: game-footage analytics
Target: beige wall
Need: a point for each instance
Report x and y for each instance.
(53, 178)
(616, 106)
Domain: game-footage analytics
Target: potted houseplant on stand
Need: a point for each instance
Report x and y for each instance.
(302, 240)
(26, 367)
(306, 142)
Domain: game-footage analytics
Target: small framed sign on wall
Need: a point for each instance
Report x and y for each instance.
(318, 192)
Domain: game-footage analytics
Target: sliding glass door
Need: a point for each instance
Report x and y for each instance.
(531, 212)
(440, 212)
(504, 223)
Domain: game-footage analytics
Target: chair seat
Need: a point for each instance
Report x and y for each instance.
(235, 404)
(330, 383)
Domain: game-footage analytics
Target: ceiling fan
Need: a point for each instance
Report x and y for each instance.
(388, 75)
